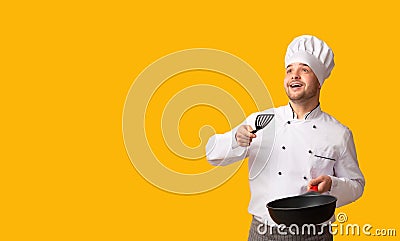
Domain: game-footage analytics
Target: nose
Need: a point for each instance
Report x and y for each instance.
(295, 76)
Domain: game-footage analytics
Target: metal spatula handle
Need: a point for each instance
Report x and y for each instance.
(262, 121)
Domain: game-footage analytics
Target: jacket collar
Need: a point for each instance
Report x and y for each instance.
(313, 114)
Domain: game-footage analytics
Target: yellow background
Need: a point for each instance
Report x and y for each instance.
(66, 68)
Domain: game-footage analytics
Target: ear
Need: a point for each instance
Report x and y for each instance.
(319, 84)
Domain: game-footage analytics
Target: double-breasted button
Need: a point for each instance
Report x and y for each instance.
(309, 151)
(305, 178)
(279, 173)
(314, 126)
(288, 122)
(283, 147)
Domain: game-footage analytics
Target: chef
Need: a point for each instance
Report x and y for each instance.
(301, 147)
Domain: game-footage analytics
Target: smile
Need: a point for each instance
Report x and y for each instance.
(296, 85)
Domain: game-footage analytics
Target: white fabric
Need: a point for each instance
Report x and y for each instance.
(275, 172)
(312, 51)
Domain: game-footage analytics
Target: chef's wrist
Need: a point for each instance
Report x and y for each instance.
(235, 143)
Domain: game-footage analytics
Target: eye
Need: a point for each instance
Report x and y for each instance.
(305, 70)
(288, 71)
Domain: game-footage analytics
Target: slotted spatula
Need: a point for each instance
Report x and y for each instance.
(262, 121)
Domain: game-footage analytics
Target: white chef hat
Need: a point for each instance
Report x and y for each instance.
(312, 51)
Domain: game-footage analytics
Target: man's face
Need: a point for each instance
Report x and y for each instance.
(301, 84)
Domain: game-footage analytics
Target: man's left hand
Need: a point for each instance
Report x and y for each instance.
(324, 183)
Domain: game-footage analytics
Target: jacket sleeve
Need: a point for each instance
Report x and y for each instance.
(222, 149)
(348, 182)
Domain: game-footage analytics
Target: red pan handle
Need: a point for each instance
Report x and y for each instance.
(314, 188)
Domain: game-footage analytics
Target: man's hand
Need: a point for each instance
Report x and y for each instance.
(244, 135)
(324, 183)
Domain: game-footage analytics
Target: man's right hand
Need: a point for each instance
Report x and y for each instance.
(244, 135)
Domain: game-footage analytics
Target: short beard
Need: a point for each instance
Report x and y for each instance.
(304, 97)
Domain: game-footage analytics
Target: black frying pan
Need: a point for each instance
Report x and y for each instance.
(308, 208)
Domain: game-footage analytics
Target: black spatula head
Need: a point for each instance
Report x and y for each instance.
(262, 121)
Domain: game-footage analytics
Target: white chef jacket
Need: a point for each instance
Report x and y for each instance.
(288, 153)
